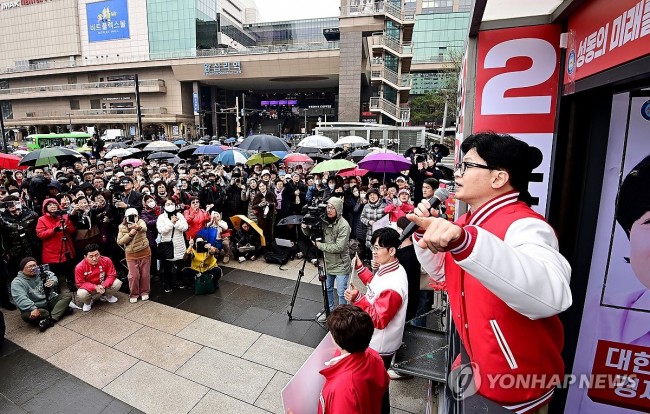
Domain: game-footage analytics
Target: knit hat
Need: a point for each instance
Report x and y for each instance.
(24, 262)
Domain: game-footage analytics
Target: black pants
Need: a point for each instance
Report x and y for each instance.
(5, 280)
(65, 271)
(385, 402)
(168, 266)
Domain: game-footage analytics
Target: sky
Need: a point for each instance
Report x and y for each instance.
(278, 10)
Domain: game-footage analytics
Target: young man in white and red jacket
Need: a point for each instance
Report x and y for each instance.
(501, 267)
(386, 297)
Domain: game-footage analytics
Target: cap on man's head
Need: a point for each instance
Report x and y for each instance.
(126, 180)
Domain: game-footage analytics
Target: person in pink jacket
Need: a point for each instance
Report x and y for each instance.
(55, 230)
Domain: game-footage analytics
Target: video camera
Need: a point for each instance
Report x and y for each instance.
(314, 216)
(59, 213)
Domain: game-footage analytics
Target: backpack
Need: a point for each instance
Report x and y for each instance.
(277, 255)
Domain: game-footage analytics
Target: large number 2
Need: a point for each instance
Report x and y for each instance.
(543, 55)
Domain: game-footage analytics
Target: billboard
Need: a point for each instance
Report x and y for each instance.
(107, 20)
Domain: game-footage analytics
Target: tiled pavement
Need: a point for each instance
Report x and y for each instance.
(229, 352)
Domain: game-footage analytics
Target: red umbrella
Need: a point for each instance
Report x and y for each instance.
(297, 158)
(353, 172)
(10, 162)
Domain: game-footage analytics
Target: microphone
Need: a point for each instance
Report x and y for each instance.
(440, 196)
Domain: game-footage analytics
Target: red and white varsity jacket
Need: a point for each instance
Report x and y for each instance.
(385, 301)
(506, 282)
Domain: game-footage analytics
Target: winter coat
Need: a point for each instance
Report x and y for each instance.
(165, 228)
(134, 244)
(395, 212)
(19, 233)
(150, 217)
(53, 243)
(335, 244)
(290, 197)
(352, 213)
(28, 292)
(195, 221)
(372, 212)
(249, 195)
(233, 204)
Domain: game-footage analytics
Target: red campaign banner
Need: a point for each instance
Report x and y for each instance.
(621, 376)
(517, 79)
(606, 34)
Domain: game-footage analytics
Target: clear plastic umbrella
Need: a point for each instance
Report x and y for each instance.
(316, 141)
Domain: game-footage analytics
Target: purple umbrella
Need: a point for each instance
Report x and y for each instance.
(385, 162)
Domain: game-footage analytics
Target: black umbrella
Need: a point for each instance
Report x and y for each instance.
(308, 150)
(447, 173)
(187, 152)
(358, 155)
(115, 145)
(442, 149)
(295, 219)
(161, 156)
(319, 157)
(266, 143)
(141, 144)
(418, 150)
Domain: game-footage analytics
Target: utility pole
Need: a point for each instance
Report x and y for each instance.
(243, 112)
(70, 121)
(138, 110)
(305, 121)
(444, 122)
(237, 115)
(2, 130)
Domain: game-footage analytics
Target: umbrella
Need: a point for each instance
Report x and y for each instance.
(262, 158)
(442, 149)
(160, 156)
(358, 154)
(295, 219)
(320, 157)
(188, 151)
(118, 152)
(266, 143)
(141, 144)
(385, 162)
(376, 150)
(115, 145)
(316, 141)
(231, 157)
(174, 160)
(280, 154)
(352, 141)
(208, 150)
(230, 140)
(161, 146)
(20, 152)
(447, 173)
(10, 162)
(180, 142)
(308, 150)
(333, 165)
(132, 162)
(49, 156)
(236, 222)
(418, 150)
(292, 160)
(353, 172)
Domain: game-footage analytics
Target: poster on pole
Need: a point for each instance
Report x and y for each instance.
(612, 362)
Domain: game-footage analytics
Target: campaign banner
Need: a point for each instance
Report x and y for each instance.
(606, 34)
(612, 358)
(108, 20)
(517, 87)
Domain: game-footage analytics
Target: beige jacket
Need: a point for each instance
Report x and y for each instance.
(133, 244)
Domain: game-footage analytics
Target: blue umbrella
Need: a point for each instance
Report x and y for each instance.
(230, 140)
(280, 154)
(231, 157)
(208, 150)
(180, 142)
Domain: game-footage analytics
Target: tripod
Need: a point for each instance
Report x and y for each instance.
(322, 277)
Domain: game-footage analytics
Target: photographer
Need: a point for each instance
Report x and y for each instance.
(18, 233)
(296, 192)
(55, 229)
(196, 218)
(234, 204)
(171, 225)
(334, 245)
(31, 294)
(129, 198)
(202, 260)
(132, 235)
(249, 194)
(86, 223)
(264, 205)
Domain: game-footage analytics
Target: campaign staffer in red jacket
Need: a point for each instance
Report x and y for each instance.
(52, 227)
(505, 277)
(355, 379)
(96, 275)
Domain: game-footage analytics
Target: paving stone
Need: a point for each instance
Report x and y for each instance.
(69, 395)
(227, 374)
(122, 306)
(9, 407)
(103, 327)
(154, 390)
(271, 397)
(162, 317)
(252, 317)
(221, 336)
(226, 404)
(409, 394)
(278, 354)
(24, 375)
(44, 344)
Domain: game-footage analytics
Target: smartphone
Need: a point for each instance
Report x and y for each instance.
(131, 219)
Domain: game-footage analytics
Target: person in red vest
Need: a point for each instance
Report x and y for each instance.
(502, 270)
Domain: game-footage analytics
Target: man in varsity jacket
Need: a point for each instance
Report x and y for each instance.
(501, 267)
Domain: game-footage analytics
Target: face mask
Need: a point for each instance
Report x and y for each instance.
(356, 194)
(170, 209)
(331, 186)
(151, 204)
(317, 182)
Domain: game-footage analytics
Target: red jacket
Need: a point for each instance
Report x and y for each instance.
(355, 384)
(395, 212)
(52, 239)
(87, 276)
(196, 221)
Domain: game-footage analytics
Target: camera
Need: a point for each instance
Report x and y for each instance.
(59, 213)
(314, 216)
(132, 219)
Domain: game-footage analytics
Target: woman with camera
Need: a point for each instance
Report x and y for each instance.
(86, 223)
(249, 195)
(55, 230)
(202, 255)
(264, 206)
(171, 226)
(132, 236)
(196, 218)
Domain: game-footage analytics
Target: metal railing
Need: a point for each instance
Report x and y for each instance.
(84, 86)
(185, 54)
(355, 8)
(94, 112)
(404, 81)
(401, 48)
(402, 114)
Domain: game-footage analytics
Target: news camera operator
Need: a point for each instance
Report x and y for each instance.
(55, 230)
(335, 247)
(504, 275)
(18, 233)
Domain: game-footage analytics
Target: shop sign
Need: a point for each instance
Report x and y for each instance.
(604, 34)
(222, 68)
(107, 20)
(517, 80)
(20, 3)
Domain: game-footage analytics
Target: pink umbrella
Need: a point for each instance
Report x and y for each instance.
(132, 162)
(292, 160)
(353, 172)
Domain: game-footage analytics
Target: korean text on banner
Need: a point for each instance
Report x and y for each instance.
(107, 20)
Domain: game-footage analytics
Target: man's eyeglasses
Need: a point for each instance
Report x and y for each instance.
(461, 167)
(376, 248)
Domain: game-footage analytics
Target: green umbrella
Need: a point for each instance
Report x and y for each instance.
(263, 158)
(49, 156)
(333, 165)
